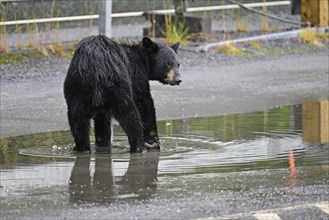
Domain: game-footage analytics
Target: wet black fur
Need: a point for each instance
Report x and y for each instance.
(106, 79)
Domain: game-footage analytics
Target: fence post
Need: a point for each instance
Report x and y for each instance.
(315, 12)
(324, 12)
(105, 18)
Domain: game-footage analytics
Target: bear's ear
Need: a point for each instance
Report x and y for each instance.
(149, 45)
(175, 46)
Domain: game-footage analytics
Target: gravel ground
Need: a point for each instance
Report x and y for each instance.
(38, 67)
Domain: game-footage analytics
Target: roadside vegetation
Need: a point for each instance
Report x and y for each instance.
(23, 55)
(232, 50)
(35, 39)
(45, 40)
(17, 57)
(308, 40)
(314, 38)
(176, 31)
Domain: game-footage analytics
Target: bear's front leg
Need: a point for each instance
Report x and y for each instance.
(148, 116)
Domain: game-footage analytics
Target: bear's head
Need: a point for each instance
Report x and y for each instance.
(164, 62)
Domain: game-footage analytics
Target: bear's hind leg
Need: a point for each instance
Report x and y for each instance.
(80, 127)
(126, 113)
(102, 123)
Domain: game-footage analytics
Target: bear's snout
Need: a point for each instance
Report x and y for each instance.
(173, 77)
(175, 82)
(178, 80)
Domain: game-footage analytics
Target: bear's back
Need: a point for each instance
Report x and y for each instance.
(98, 64)
(99, 58)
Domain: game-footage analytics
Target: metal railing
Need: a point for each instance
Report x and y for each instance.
(138, 13)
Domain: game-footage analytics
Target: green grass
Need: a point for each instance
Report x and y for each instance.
(264, 51)
(175, 32)
(6, 58)
(23, 56)
(254, 44)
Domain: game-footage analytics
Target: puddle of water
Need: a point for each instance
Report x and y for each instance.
(220, 144)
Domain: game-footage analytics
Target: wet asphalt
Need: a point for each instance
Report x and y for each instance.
(33, 106)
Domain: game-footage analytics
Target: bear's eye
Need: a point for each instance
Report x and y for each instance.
(178, 65)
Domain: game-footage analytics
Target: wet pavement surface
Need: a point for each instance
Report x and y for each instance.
(244, 141)
(226, 164)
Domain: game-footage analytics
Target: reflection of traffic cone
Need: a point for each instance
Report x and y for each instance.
(292, 176)
(291, 160)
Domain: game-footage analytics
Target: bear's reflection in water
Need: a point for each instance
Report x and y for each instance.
(101, 186)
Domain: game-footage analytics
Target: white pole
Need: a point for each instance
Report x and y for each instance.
(105, 18)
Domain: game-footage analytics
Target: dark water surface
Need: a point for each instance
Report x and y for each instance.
(281, 146)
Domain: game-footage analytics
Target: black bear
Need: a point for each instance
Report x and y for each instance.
(107, 79)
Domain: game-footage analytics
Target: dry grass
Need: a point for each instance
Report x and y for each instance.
(313, 37)
(60, 50)
(38, 36)
(242, 26)
(4, 47)
(231, 49)
(41, 49)
(323, 36)
(308, 36)
(264, 26)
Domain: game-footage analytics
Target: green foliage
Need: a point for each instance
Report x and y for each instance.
(22, 56)
(6, 58)
(175, 32)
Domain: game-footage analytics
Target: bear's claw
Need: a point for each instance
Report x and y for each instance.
(141, 149)
(154, 145)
